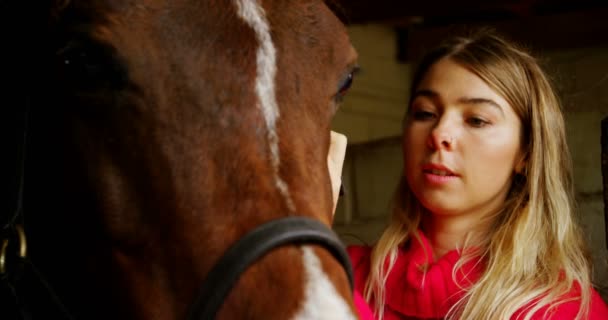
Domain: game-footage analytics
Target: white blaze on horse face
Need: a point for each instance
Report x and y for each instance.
(321, 299)
(253, 14)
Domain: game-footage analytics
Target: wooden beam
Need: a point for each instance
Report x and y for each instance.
(604, 142)
(388, 11)
(384, 11)
(552, 32)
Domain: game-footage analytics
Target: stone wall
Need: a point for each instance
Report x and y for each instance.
(581, 77)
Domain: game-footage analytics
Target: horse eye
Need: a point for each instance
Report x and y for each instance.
(86, 66)
(345, 84)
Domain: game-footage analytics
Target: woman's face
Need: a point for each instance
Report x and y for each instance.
(461, 143)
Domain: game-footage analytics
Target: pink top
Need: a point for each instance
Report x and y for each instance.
(365, 313)
(412, 293)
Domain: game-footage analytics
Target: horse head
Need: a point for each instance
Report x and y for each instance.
(161, 132)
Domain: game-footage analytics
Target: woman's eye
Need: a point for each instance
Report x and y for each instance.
(477, 122)
(423, 115)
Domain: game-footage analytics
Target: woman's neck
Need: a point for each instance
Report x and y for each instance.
(446, 233)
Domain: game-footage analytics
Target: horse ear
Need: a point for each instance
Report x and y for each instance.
(338, 9)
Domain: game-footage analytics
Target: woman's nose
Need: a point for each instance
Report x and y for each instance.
(441, 137)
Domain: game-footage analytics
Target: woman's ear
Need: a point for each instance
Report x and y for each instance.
(520, 165)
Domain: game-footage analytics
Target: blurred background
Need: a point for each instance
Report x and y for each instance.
(569, 37)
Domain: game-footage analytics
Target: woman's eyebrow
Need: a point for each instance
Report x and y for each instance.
(481, 101)
(425, 93)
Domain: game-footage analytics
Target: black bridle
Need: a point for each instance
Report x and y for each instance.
(293, 230)
(254, 245)
(18, 276)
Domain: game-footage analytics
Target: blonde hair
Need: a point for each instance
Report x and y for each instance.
(534, 250)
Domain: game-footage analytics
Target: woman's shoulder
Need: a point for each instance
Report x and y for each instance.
(359, 257)
(358, 253)
(568, 309)
(365, 312)
(360, 260)
(598, 308)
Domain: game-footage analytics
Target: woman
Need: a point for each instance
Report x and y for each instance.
(483, 225)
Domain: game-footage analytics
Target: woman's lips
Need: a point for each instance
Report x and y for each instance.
(438, 174)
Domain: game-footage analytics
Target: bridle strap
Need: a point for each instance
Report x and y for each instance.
(254, 245)
(12, 234)
(18, 275)
(16, 216)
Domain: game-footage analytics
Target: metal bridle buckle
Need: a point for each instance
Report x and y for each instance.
(22, 253)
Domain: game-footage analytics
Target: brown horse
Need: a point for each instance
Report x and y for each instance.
(159, 133)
